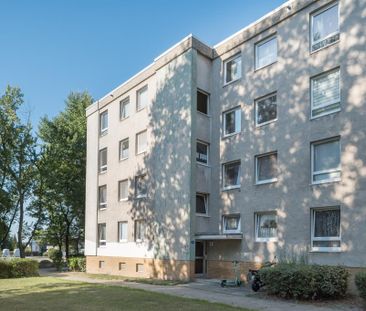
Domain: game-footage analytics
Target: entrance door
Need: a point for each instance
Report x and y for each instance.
(200, 260)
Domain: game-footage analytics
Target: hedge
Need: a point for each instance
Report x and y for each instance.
(360, 280)
(18, 268)
(301, 281)
(77, 264)
(56, 256)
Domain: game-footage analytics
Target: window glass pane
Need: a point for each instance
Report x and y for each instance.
(327, 223)
(202, 102)
(104, 121)
(201, 204)
(267, 167)
(140, 230)
(142, 98)
(103, 160)
(326, 156)
(233, 69)
(202, 153)
(141, 187)
(267, 225)
(231, 174)
(102, 196)
(325, 23)
(142, 142)
(232, 222)
(267, 109)
(124, 108)
(267, 53)
(124, 149)
(102, 234)
(229, 122)
(327, 243)
(123, 231)
(327, 176)
(123, 189)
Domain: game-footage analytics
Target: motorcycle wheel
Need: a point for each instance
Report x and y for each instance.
(255, 286)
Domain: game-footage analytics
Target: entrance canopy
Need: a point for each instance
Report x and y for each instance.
(207, 237)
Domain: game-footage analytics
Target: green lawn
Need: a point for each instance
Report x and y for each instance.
(47, 293)
(110, 277)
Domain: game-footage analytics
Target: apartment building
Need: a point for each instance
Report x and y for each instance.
(252, 149)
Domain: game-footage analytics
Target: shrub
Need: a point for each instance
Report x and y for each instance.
(18, 268)
(56, 256)
(360, 280)
(77, 264)
(303, 281)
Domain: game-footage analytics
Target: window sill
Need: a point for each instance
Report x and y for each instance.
(328, 181)
(141, 109)
(231, 82)
(123, 241)
(203, 215)
(230, 135)
(102, 209)
(102, 172)
(326, 250)
(266, 240)
(202, 164)
(141, 152)
(232, 232)
(122, 119)
(324, 47)
(204, 114)
(230, 188)
(325, 114)
(265, 66)
(103, 133)
(265, 182)
(123, 159)
(258, 126)
(123, 200)
(140, 197)
(102, 246)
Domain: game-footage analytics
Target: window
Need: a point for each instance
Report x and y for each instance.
(104, 122)
(141, 142)
(231, 175)
(266, 227)
(325, 94)
(103, 160)
(326, 229)
(122, 231)
(266, 168)
(231, 224)
(101, 264)
(140, 230)
(326, 165)
(266, 110)
(140, 186)
(266, 52)
(325, 27)
(232, 68)
(202, 203)
(232, 122)
(202, 153)
(142, 98)
(202, 102)
(124, 146)
(102, 235)
(124, 108)
(140, 268)
(123, 190)
(122, 266)
(102, 195)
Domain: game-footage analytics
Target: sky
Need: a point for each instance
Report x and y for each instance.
(51, 48)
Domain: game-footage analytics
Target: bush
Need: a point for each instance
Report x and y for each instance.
(18, 268)
(302, 281)
(56, 256)
(360, 280)
(77, 264)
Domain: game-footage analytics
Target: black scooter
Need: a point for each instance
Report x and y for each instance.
(254, 278)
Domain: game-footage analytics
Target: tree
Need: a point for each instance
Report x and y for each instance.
(63, 171)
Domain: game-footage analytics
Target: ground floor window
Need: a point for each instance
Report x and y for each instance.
(140, 230)
(326, 229)
(102, 235)
(266, 227)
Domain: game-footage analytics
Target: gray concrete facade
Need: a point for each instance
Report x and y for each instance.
(174, 126)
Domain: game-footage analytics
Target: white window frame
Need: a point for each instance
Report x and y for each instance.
(237, 111)
(120, 149)
(145, 88)
(119, 190)
(313, 238)
(224, 220)
(102, 205)
(259, 44)
(141, 196)
(208, 152)
(256, 109)
(316, 13)
(265, 181)
(237, 186)
(119, 231)
(324, 106)
(137, 143)
(226, 61)
(208, 103)
(338, 169)
(102, 243)
(103, 168)
(205, 198)
(139, 240)
(257, 223)
(122, 104)
(103, 131)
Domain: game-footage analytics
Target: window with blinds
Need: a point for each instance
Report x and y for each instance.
(325, 94)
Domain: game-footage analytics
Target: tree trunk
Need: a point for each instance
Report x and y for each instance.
(67, 240)
(20, 228)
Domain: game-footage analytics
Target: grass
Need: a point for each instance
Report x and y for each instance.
(48, 293)
(136, 280)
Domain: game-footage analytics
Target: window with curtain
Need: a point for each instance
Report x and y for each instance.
(102, 196)
(232, 69)
(266, 109)
(325, 93)
(122, 231)
(202, 152)
(124, 108)
(102, 235)
(123, 190)
(140, 186)
(142, 98)
(266, 52)
(141, 142)
(140, 230)
(103, 160)
(266, 167)
(231, 175)
(231, 223)
(124, 149)
(104, 122)
(232, 122)
(266, 226)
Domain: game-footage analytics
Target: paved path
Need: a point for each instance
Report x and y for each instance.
(211, 291)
